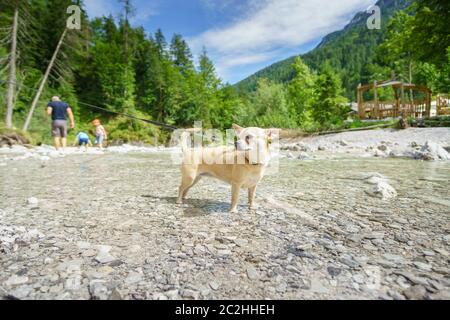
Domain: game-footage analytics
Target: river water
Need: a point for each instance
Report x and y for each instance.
(313, 216)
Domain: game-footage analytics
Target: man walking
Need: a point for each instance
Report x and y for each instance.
(59, 111)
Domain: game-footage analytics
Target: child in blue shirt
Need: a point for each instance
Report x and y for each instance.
(82, 139)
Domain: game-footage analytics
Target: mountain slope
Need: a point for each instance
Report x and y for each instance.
(349, 51)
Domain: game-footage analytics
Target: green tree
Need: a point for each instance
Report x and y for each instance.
(270, 107)
(181, 54)
(301, 92)
(430, 31)
(397, 50)
(329, 108)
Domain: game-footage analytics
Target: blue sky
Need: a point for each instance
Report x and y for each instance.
(241, 36)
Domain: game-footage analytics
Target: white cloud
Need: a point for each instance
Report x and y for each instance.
(269, 25)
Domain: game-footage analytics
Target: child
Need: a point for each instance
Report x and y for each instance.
(100, 132)
(82, 139)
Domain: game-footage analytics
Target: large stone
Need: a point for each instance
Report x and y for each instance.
(384, 191)
(34, 202)
(16, 280)
(21, 292)
(431, 151)
(381, 187)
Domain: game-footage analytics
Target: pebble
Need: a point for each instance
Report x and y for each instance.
(333, 240)
(214, 285)
(334, 271)
(133, 278)
(98, 290)
(241, 242)
(172, 294)
(318, 286)
(349, 261)
(33, 203)
(252, 273)
(375, 235)
(105, 258)
(190, 294)
(115, 295)
(394, 258)
(224, 252)
(415, 293)
(422, 266)
(73, 283)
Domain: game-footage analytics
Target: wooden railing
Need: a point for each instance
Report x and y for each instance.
(443, 104)
(392, 109)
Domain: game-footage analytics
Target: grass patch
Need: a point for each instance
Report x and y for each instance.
(17, 135)
(434, 122)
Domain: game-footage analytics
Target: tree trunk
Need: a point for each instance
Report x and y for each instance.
(43, 82)
(12, 69)
(19, 88)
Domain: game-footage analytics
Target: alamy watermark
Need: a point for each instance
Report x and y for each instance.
(238, 146)
(74, 20)
(374, 21)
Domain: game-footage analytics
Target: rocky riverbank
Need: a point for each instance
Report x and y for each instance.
(421, 144)
(357, 220)
(106, 226)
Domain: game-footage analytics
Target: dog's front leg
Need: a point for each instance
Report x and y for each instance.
(235, 190)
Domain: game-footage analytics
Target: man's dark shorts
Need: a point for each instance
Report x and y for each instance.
(59, 129)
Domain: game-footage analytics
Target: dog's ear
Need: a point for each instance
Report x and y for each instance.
(273, 133)
(237, 128)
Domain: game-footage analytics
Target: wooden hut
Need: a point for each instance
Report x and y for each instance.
(401, 106)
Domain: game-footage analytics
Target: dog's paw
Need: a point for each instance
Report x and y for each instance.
(179, 201)
(234, 210)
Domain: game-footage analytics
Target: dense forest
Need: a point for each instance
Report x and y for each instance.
(109, 63)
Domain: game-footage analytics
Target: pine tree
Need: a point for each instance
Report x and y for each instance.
(181, 54)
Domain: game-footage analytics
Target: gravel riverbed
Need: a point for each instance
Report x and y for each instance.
(106, 226)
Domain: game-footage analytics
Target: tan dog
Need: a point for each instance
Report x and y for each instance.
(242, 166)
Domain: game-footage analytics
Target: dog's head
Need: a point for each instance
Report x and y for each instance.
(255, 142)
